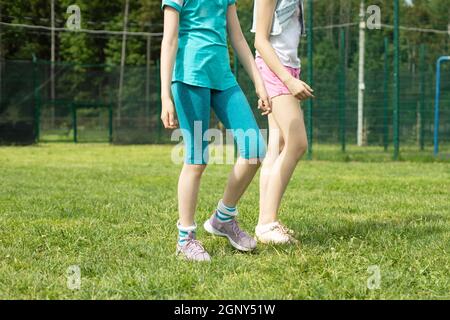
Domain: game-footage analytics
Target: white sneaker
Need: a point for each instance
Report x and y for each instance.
(274, 233)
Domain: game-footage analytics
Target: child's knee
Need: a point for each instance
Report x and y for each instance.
(250, 161)
(195, 169)
(256, 155)
(297, 147)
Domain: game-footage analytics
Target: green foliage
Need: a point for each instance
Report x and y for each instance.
(145, 15)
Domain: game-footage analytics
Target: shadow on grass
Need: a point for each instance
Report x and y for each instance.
(411, 228)
(326, 235)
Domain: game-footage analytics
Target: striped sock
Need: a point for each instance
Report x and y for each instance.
(183, 234)
(224, 213)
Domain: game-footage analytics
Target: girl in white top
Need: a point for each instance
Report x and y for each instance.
(285, 37)
(278, 25)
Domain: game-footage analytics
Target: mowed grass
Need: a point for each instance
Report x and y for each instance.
(111, 210)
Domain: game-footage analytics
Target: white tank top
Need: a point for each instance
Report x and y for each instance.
(286, 44)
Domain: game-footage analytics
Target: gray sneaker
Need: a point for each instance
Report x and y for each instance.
(238, 238)
(193, 250)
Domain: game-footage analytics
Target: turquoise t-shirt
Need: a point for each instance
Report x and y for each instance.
(202, 57)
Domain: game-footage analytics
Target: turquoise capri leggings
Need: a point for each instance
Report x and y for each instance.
(193, 105)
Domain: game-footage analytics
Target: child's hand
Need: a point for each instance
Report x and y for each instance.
(264, 102)
(299, 89)
(168, 115)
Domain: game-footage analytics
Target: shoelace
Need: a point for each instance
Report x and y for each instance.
(195, 246)
(236, 230)
(283, 229)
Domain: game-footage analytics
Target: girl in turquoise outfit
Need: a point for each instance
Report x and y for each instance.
(195, 77)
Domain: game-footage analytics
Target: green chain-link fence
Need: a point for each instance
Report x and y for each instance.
(17, 103)
(86, 108)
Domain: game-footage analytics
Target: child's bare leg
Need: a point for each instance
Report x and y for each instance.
(233, 110)
(188, 187)
(275, 146)
(289, 117)
(223, 220)
(239, 179)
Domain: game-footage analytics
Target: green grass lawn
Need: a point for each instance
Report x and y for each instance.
(112, 210)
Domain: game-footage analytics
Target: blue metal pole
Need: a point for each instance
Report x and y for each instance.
(436, 106)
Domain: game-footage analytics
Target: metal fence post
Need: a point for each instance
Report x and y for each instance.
(422, 100)
(37, 102)
(110, 117)
(396, 80)
(342, 91)
(386, 95)
(74, 122)
(158, 101)
(310, 76)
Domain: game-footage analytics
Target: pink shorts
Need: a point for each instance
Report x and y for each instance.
(274, 86)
